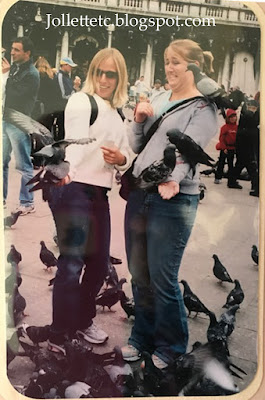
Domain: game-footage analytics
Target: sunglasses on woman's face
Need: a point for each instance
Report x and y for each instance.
(108, 74)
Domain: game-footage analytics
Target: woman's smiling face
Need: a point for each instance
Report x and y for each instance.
(105, 85)
(176, 71)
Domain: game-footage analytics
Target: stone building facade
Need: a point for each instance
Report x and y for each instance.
(76, 28)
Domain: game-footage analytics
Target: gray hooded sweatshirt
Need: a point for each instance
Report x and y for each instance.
(197, 118)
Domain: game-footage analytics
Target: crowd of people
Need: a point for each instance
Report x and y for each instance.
(158, 223)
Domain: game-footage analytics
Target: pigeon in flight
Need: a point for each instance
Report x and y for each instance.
(158, 171)
(220, 271)
(189, 149)
(236, 296)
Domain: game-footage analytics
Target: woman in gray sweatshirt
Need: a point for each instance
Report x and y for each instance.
(158, 223)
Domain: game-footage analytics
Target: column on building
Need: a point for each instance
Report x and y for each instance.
(224, 73)
(149, 61)
(20, 31)
(65, 44)
(142, 64)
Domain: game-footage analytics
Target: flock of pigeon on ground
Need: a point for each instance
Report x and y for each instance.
(206, 370)
(82, 373)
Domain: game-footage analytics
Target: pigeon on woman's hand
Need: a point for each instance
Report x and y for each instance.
(158, 171)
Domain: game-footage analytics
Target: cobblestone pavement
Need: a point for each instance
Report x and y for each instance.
(227, 224)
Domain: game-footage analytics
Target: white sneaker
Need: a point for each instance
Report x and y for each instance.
(26, 209)
(93, 334)
(158, 362)
(130, 353)
(217, 181)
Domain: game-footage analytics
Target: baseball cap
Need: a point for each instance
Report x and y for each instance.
(69, 61)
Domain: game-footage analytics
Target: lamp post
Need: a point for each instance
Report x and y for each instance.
(110, 29)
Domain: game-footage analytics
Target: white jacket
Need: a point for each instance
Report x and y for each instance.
(86, 161)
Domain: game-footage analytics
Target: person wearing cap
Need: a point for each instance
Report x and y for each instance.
(226, 145)
(65, 88)
(156, 89)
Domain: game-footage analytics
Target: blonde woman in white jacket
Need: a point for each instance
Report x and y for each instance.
(80, 205)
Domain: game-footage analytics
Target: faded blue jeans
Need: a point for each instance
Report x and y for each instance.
(18, 141)
(81, 215)
(157, 232)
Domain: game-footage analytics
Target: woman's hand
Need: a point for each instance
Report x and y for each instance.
(112, 155)
(65, 181)
(143, 110)
(168, 189)
(5, 66)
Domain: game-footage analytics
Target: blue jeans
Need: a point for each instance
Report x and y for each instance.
(156, 233)
(81, 215)
(18, 141)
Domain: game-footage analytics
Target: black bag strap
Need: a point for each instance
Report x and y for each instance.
(155, 125)
(94, 110)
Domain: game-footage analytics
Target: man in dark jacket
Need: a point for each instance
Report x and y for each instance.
(247, 140)
(65, 88)
(21, 92)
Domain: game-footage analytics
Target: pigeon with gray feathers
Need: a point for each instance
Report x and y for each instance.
(207, 86)
(189, 149)
(11, 219)
(236, 296)
(158, 171)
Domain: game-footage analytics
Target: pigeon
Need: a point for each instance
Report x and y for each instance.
(208, 172)
(47, 257)
(14, 255)
(192, 302)
(11, 219)
(118, 370)
(39, 133)
(12, 346)
(152, 375)
(205, 362)
(227, 319)
(111, 278)
(16, 305)
(236, 296)
(55, 168)
(207, 86)
(37, 334)
(255, 254)
(127, 305)
(158, 171)
(202, 189)
(110, 297)
(216, 333)
(220, 271)
(189, 149)
(13, 279)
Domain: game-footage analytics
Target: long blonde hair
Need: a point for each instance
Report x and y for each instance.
(191, 52)
(119, 96)
(44, 67)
